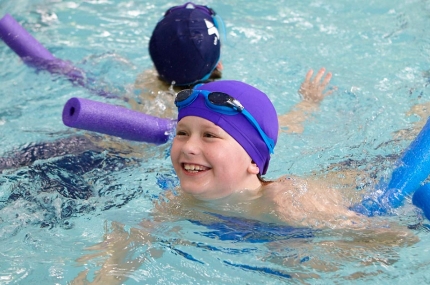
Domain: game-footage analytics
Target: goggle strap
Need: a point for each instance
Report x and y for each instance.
(269, 142)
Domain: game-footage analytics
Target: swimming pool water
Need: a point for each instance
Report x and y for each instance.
(378, 51)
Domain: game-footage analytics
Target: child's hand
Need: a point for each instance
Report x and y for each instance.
(312, 90)
(116, 248)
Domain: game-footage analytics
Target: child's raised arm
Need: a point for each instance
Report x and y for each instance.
(313, 91)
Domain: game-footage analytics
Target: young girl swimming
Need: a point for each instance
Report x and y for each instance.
(226, 133)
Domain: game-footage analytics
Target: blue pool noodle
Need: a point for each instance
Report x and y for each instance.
(411, 171)
(421, 199)
(35, 54)
(116, 121)
(413, 168)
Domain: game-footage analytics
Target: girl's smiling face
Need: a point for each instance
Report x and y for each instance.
(210, 163)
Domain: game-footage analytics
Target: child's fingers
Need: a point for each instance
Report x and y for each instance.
(309, 75)
(326, 80)
(319, 75)
(81, 279)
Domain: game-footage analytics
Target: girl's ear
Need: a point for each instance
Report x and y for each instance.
(253, 168)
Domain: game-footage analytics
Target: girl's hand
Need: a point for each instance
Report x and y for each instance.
(312, 90)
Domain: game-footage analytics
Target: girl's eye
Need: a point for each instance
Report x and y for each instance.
(209, 135)
(181, 133)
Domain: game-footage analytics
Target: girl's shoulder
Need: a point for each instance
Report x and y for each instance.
(284, 187)
(285, 182)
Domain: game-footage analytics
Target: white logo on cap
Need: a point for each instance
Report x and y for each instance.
(212, 30)
(190, 6)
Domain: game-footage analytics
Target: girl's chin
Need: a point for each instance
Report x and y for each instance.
(199, 194)
(191, 190)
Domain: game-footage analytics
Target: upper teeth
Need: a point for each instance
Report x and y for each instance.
(193, 167)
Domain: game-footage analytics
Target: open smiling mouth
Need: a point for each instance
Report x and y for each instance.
(194, 168)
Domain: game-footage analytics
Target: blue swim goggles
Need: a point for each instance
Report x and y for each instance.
(222, 103)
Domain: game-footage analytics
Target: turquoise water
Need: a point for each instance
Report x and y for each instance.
(378, 52)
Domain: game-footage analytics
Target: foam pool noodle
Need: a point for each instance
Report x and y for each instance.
(35, 54)
(411, 170)
(116, 121)
(421, 199)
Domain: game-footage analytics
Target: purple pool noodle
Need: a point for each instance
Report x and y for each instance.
(116, 121)
(20, 41)
(34, 53)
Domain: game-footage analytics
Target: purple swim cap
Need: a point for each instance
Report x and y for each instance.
(185, 46)
(256, 102)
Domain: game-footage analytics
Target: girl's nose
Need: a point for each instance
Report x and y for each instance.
(192, 146)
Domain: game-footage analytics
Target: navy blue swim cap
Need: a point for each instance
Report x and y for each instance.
(185, 45)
